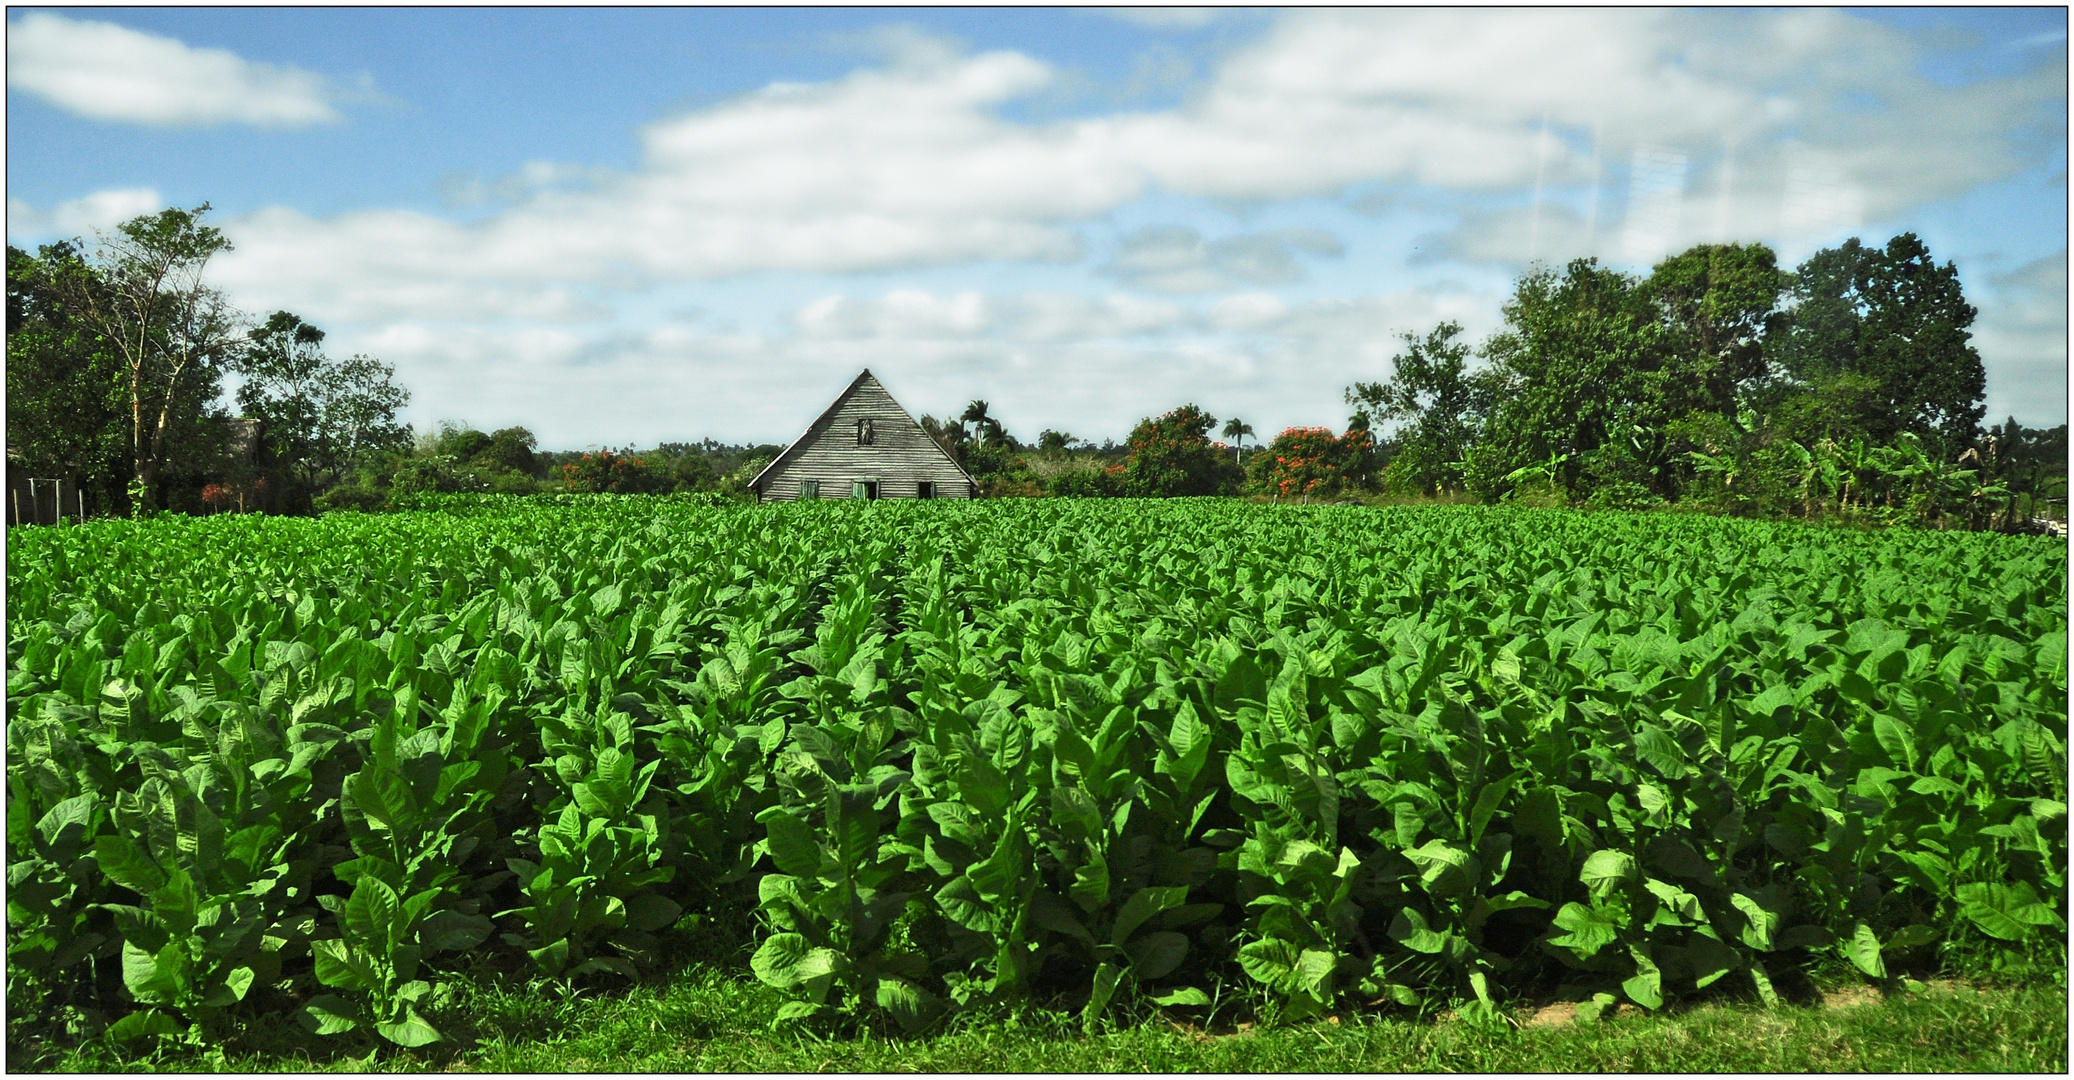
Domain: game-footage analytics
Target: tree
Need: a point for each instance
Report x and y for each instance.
(1054, 443)
(986, 431)
(65, 384)
(1892, 315)
(1311, 462)
(611, 471)
(1715, 301)
(319, 416)
(1172, 455)
(172, 332)
(1437, 404)
(1236, 430)
(512, 448)
(1569, 380)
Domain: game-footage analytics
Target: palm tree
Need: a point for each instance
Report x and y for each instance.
(1236, 430)
(985, 429)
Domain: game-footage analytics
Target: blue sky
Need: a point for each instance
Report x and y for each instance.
(626, 226)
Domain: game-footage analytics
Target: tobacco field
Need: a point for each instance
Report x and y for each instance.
(960, 756)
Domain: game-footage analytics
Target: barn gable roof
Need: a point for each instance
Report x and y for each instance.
(820, 426)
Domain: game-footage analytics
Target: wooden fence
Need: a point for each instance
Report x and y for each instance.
(43, 501)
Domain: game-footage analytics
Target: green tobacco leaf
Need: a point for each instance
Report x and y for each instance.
(1106, 977)
(786, 961)
(1645, 988)
(1190, 739)
(1313, 972)
(142, 1024)
(156, 978)
(792, 843)
(1802, 936)
(1710, 959)
(1186, 997)
(411, 1030)
(1090, 888)
(962, 904)
(1487, 802)
(1911, 937)
(450, 931)
(327, 1014)
(1893, 737)
(795, 1011)
(1410, 930)
(1270, 961)
(1606, 869)
(551, 958)
(1048, 912)
(238, 982)
(1660, 751)
(370, 913)
(1445, 869)
(1863, 949)
(652, 911)
(1677, 858)
(1763, 981)
(67, 821)
(1589, 1011)
(1156, 955)
(2006, 912)
(912, 1006)
(1074, 812)
(338, 964)
(1143, 905)
(1588, 931)
(127, 865)
(1761, 924)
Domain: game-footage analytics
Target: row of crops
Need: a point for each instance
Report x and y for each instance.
(961, 756)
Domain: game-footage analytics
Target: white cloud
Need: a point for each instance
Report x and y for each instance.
(2022, 337)
(1164, 18)
(1092, 365)
(913, 164)
(80, 217)
(107, 72)
(1176, 259)
(911, 314)
(1790, 126)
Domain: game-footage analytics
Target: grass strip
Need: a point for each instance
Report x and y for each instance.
(708, 1022)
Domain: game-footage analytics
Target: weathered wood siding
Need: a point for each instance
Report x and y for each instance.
(899, 458)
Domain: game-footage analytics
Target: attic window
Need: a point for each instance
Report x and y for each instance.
(864, 436)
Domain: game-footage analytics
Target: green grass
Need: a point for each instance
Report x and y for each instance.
(711, 1021)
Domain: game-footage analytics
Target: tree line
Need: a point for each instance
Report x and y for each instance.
(117, 356)
(1845, 388)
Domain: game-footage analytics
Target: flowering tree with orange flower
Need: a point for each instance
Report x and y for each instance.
(1172, 455)
(608, 471)
(1311, 462)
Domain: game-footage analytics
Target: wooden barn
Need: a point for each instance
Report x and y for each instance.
(863, 446)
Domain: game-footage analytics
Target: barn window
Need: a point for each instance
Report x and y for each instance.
(864, 431)
(864, 489)
(925, 490)
(810, 489)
